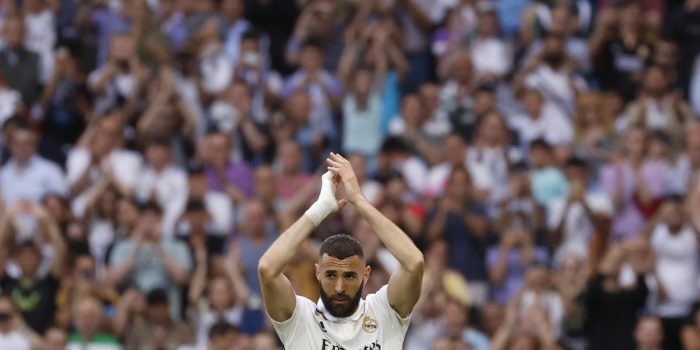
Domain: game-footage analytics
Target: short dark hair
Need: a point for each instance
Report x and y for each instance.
(540, 143)
(313, 43)
(221, 328)
(576, 162)
(150, 206)
(341, 247)
(157, 296)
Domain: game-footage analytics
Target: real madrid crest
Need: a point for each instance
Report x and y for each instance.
(369, 324)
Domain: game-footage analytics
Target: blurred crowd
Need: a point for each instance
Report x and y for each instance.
(543, 154)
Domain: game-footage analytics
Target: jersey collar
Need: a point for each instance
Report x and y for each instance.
(354, 317)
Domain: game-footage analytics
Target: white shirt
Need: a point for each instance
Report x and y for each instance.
(551, 125)
(490, 56)
(374, 325)
(677, 268)
(38, 178)
(578, 227)
(170, 188)
(415, 172)
(15, 341)
(558, 88)
(126, 167)
(9, 101)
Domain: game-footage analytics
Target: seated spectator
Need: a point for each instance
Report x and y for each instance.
(55, 339)
(149, 260)
(32, 280)
(28, 176)
(159, 330)
(86, 317)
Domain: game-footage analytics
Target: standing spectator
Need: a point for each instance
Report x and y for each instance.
(490, 54)
(159, 331)
(20, 67)
(149, 260)
(461, 221)
(162, 182)
(28, 176)
(657, 107)
(613, 307)
(634, 183)
(362, 115)
(541, 120)
(674, 240)
(32, 288)
(233, 11)
(38, 16)
(508, 260)
(224, 175)
(254, 239)
(573, 220)
(620, 48)
(547, 181)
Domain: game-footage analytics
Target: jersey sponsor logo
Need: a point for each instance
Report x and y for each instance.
(369, 324)
(327, 345)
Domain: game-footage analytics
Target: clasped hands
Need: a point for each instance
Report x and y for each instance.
(340, 171)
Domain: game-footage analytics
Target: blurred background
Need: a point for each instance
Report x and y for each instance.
(543, 154)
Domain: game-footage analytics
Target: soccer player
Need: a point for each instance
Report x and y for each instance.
(341, 319)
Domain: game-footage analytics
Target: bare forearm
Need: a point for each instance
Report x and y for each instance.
(398, 242)
(178, 273)
(281, 252)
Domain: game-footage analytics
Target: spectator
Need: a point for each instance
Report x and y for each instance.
(290, 177)
(149, 260)
(396, 156)
(649, 334)
(574, 220)
(460, 221)
(508, 260)
(55, 339)
(12, 336)
(547, 182)
(255, 237)
(620, 48)
(455, 151)
(162, 182)
(594, 132)
(28, 176)
(490, 54)
(20, 67)
(674, 241)
(29, 283)
(86, 317)
(541, 120)
(224, 175)
(634, 183)
(456, 321)
(159, 331)
(657, 108)
(613, 307)
(362, 115)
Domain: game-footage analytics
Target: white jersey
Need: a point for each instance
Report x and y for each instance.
(373, 326)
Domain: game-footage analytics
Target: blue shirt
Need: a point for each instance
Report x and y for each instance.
(37, 179)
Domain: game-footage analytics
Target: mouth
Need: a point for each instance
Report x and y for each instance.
(341, 301)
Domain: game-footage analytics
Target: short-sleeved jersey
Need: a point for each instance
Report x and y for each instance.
(373, 326)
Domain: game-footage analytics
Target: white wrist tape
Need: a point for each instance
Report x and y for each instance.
(326, 203)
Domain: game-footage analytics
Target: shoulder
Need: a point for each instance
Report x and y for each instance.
(379, 303)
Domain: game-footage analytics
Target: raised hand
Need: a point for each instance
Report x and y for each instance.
(341, 167)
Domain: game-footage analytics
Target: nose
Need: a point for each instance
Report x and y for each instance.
(339, 286)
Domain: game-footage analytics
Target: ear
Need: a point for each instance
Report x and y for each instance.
(368, 270)
(318, 272)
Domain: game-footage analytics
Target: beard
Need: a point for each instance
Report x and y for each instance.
(341, 310)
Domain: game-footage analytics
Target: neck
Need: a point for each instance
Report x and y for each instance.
(22, 163)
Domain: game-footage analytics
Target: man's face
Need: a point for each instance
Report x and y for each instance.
(14, 33)
(23, 145)
(55, 339)
(341, 283)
